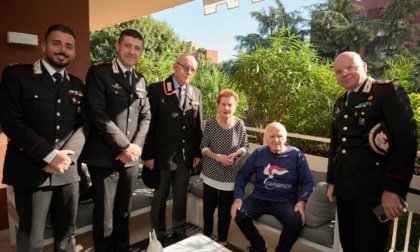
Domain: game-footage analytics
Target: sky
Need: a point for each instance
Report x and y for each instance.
(217, 31)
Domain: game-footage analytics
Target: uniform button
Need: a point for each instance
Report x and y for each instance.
(128, 132)
(377, 163)
(363, 113)
(59, 101)
(36, 96)
(344, 128)
(58, 114)
(58, 127)
(183, 127)
(129, 108)
(56, 140)
(184, 113)
(343, 151)
(116, 92)
(346, 116)
(183, 141)
(131, 96)
(129, 119)
(344, 139)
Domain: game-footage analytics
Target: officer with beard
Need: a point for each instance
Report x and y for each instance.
(41, 113)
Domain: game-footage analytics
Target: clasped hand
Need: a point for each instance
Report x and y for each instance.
(226, 160)
(60, 162)
(130, 154)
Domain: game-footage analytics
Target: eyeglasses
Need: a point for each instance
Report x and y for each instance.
(350, 69)
(186, 68)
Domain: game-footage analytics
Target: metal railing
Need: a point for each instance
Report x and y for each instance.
(413, 197)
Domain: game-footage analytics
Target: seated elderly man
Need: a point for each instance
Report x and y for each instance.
(279, 171)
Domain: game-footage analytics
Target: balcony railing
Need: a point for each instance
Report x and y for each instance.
(413, 197)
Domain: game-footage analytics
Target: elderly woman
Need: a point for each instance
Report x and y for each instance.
(224, 140)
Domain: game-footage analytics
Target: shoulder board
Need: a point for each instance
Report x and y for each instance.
(74, 76)
(384, 82)
(20, 64)
(103, 64)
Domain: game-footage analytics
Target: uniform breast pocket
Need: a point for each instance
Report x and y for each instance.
(364, 115)
(35, 103)
(116, 98)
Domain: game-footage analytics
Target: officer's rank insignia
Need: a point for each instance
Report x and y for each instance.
(116, 86)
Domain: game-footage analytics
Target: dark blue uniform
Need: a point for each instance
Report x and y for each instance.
(173, 141)
(373, 147)
(120, 115)
(39, 116)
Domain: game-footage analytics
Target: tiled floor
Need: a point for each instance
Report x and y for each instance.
(139, 228)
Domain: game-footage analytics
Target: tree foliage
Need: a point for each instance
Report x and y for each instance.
(210, 80)
(402, 69)
(287, 83)
(161, 46)
(270, 21)
(399, 36)
(336, 28)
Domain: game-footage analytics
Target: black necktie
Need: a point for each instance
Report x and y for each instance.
(58, 78)
(350, 96)
(128, 76)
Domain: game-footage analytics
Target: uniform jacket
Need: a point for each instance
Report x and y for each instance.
(119, 113)
(38, 116)
(356, 170)
(172, 129)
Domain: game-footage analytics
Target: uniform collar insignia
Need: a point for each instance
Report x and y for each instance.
(368, 84)
(37, 67)
(115, 66)
(190, 93)
(168, 88)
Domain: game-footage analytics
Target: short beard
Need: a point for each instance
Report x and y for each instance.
(55, 64)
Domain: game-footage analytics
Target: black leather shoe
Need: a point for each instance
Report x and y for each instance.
(178, 237)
